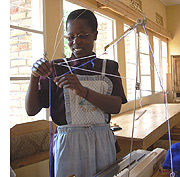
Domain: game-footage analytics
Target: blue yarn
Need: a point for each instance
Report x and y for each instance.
(78, 67)
(92, 64)
(175, 158)
(50, 126)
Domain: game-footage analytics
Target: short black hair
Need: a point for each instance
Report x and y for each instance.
(85, 15)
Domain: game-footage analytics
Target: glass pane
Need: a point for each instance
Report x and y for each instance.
(164, 49)
(130, 48)
(156, 51)
(145, 64)
(130, 81)
(105, 36)
(158, 82)
(26, 14)
(67, 8)
(130, 56)
(105, 27)
(25, 49)
(165, 71)
(146, 85)
(164, 63)
(18, 113)
(157, 71)
(144, 45)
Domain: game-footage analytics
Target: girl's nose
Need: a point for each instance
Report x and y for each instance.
(77, 40)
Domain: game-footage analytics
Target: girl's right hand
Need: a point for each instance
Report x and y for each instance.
(41, 67)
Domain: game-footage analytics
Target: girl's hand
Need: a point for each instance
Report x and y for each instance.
(71, 81)
(41, 67)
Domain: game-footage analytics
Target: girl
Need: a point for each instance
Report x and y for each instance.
(82, 101)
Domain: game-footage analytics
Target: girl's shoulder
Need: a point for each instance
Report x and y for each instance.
(111, 65)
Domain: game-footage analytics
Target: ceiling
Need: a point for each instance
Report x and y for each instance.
(170, 2)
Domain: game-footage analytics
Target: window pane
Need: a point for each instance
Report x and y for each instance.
(165, 71)
(158, 83)
(25, 49)
(130, 47)
(145, 65)
(146, 85)
(105, 36)
(156, 51)
(164, 49)
(157, 71)
(130, 56)
(18, 113)
(26, 14)
(105, 28)
(164, 63)
(144, 45)
(68, 7)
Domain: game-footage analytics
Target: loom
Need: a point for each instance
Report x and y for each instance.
(143, 163)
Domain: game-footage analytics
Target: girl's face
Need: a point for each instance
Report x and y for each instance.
(80, 38)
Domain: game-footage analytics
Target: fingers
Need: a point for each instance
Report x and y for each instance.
(68, 81)
(41, 67)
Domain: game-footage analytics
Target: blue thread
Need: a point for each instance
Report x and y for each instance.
(92, 64)
(78, 67)
(50, 126)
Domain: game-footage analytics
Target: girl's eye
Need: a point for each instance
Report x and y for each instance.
(81, 36)
(70, 38)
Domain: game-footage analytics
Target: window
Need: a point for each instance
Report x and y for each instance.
(105, 27)
(26, 46)
(144, 65)
(106, 35)
(130, 56)
(160, 63)
(164, 63)
(67, 8)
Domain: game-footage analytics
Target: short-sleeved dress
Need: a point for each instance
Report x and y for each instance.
(84, 144)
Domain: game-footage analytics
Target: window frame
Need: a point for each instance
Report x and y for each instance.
(33, 31)
(139, 95)
(98, 11)
(160, 68)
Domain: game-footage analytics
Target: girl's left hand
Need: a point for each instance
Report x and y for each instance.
(72, 82)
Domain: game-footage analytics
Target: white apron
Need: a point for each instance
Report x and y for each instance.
(86, 145)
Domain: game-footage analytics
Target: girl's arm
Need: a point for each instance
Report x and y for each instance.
(32, 101)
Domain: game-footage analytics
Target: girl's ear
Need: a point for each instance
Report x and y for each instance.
(95, 35)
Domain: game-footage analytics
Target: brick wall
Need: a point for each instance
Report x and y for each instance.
(101, 39)
(20, 59)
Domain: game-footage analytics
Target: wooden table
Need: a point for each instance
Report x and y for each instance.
(147, 129)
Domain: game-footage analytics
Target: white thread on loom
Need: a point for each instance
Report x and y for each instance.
(165, 103)
(97, 72)
(58, 33)
(108, 49)
(75, 59)
(79, 15)
(57, 47)
(68, 65)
